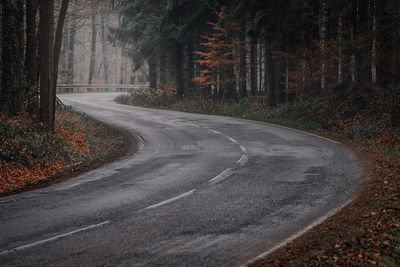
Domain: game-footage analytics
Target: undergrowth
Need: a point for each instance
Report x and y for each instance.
(30, 153)
(356, 116)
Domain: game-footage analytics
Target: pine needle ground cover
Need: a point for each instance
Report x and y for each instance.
(31, 157)
(364, 233)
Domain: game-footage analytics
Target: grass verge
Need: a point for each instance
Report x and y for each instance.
(367, 231)
(31, 157)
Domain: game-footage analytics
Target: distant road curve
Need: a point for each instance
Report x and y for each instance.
(195, 190)
(99, 88)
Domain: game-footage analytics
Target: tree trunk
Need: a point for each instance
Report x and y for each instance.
(12, 58)
(260, 66)
(152, 72)
(1, 48)
(214, 87)
(384, 70)
(220, 86)
(303, 72)
(121, 70)
(57, 45)
(105, 50)
(242, 63)
(253, 67)
(269, 74)
(64, 50)
(126, 70)
(178, 70)
(1, 32)
(93, 48)
(267, 80)
(277, 82)
(397, 46)
(340, 50)
(31, 44)
(46, 47)
(354, 29)
(287, 80)
(395, 36)
(190, 73)
(71, 54)
(229, 80)
(323, 21)
(162, 68)
(374, 44)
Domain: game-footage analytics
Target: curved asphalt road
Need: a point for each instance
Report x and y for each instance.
(195, 191)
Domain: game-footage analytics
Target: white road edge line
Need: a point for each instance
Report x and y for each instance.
(327, 139)
(214, 131)
(243, 160)
(8, 201)
(244, 149)
(170, 200)
(231, 139)
(54, 238)
(222, 176)
(297, 234)
(299, 131)
(284, 127)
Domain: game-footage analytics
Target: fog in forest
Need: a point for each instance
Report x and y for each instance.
(88, 54)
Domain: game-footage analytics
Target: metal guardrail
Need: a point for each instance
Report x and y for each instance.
(87, 88)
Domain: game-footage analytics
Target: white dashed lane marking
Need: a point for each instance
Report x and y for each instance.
(54, 238)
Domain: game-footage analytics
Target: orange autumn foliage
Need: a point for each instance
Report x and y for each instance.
(15, 174)
(217, 55)
(14, 177)
(259, 99)
(75, 138)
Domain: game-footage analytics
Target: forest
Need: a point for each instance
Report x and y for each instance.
(45, 44)
(330, 68)
(282, 50)
(272, 52)
(334, 64)
(63, 29)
